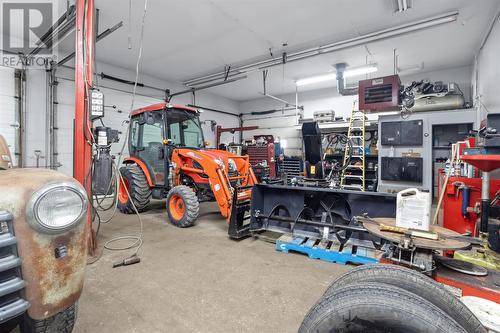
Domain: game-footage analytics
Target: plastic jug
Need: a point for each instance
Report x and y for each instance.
(413, 209)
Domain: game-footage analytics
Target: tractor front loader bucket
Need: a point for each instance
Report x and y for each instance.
(239, 220)
(316, 212)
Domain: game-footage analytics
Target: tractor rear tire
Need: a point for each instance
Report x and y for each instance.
(182, 206)
(414, 282)
(138, 190)
(376, 307)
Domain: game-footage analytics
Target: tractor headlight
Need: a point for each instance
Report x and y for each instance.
(232, 165)
(56, 207)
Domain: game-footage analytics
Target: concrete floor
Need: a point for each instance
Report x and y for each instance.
(198, 280)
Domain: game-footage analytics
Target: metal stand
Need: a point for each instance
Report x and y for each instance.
(483, 256)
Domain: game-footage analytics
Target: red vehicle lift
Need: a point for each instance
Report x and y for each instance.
(84, 59)
(220, 130)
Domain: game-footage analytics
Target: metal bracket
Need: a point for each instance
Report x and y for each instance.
(227, 69)
(168, 95)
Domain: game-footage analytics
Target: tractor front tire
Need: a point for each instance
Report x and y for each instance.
(182, 206)
(134, 180)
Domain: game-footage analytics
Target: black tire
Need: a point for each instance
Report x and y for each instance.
(62, 322)
(416, 283)
(138, 188)
(376, 307)
(190, 206)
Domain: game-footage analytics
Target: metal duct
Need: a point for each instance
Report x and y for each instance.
(341, 87)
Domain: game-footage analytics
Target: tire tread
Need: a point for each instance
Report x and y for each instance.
(381, 298)
(416, 283)
(62, 322)
(139, 190)
(191, 203)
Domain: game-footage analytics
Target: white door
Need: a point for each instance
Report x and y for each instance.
(9, 125)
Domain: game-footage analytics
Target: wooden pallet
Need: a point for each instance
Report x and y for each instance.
(326, 250)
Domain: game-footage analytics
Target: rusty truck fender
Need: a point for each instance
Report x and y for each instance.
(53, 283)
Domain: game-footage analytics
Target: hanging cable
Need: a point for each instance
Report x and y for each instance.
(137, 239)
(117, 179)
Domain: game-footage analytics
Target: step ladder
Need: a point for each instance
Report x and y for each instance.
(353, 176)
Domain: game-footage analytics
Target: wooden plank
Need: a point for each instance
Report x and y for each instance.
(443, 243)
(285, 238)
(323, 244)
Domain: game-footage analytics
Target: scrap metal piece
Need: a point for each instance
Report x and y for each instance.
(462, 266)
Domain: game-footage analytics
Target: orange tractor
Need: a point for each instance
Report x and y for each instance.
(168, 159)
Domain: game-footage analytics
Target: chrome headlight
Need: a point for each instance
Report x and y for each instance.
(56, 207)
(232, 165)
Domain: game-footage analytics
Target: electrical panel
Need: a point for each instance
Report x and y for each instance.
(96, 104)
(391, 133)
(402, 169)
(493, 121)
(402, 133)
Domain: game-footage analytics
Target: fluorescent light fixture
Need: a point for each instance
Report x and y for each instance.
(349, 72)
(362, 70)
(316, 79)
(411, 69)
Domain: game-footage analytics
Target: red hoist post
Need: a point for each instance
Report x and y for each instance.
(84, 59)
(220, 130)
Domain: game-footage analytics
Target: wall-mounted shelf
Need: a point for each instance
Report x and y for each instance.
(340, 126)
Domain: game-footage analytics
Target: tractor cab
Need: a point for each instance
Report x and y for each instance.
(155, 131)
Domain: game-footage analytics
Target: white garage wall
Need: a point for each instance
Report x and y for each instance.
(115, 94)
(8, 109)
(281, 126)
(329, 99)
(486, 76)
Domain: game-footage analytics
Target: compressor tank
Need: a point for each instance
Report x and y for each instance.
(433, 103)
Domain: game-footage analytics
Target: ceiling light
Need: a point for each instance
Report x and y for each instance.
(349, 72)
(362, 70)
(316, 79)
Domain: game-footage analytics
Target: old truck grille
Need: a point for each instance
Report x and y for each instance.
(12, 303)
